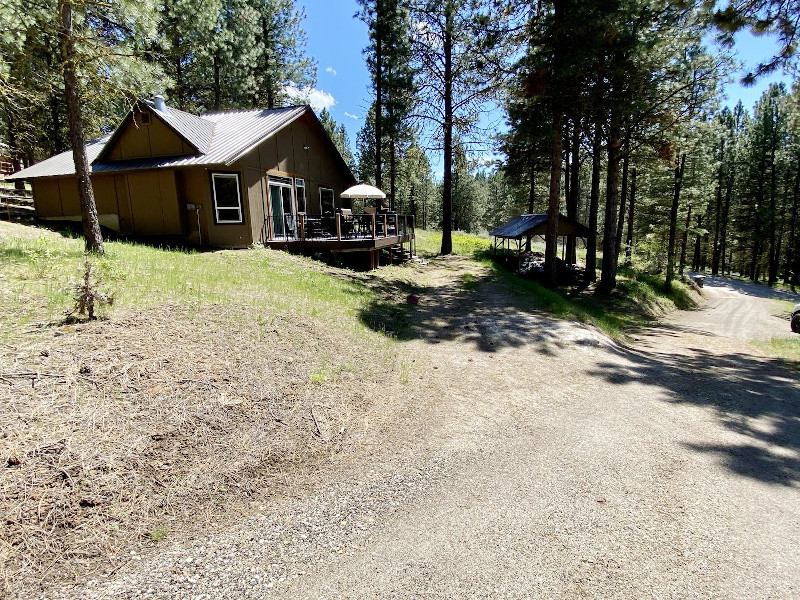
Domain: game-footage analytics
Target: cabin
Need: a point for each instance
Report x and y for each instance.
(229, 179)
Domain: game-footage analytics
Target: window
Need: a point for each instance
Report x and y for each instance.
(145, 118)
(300, 184)
(326, 203)
(227, 197)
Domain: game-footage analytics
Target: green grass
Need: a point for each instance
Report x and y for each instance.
(429, 243)
(787, 349)
(36, 275)
(158, 533)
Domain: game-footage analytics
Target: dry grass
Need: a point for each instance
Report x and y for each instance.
(165, 419)
(126, 431)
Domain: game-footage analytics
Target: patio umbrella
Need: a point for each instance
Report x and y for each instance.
(363, 190)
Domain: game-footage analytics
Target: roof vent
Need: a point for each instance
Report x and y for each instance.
(161, 106)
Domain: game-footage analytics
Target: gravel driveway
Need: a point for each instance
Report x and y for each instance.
(529, 458)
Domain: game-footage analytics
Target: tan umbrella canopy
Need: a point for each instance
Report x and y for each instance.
(363, 190)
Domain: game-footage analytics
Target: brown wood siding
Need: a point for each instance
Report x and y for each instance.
(257, 200)
(147, 140)
(284, 155)
(154, 203)
(105, 195)
(47, 198)
(124, 204)
(70, 202)
(193, 189)
(227, 235)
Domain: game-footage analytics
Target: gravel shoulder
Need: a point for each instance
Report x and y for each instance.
(532, 458)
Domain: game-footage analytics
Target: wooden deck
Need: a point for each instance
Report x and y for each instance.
(347, 233)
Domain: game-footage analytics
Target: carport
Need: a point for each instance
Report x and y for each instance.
(524, 227)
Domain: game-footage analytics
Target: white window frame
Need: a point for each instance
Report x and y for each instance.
(281, 182)
(333, 195)
(300, 183)
(217, 208)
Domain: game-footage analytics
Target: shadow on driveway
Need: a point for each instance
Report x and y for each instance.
(756, 397)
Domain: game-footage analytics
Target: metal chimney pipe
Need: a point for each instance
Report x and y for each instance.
(160, 104)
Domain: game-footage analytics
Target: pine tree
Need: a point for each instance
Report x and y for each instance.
(459, 54)
(389, 62)
(281, 65)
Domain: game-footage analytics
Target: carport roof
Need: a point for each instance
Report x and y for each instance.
(536, 224)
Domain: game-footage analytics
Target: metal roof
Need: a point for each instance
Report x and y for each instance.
(525, 225)
(194, 129)
(231, 135)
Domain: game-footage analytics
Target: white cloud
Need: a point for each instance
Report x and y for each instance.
(347, 114)
(331, 70)
(318, 99)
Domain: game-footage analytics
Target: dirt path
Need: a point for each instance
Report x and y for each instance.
(531, 458)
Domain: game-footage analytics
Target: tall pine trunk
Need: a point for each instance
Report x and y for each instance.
(723, 243)
(91, 225)
(447, 181)
(790, 248)
(673, 222)
(715, 256)
(531, 200)
(631, 205)
(378, 94)
(574, 188)
(608, 273)
(774, 243)
(685, 240)
(623, 196)
(594, 204)
(553, 201)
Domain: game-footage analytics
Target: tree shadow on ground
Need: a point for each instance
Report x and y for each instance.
(473, 308)
(757, 398)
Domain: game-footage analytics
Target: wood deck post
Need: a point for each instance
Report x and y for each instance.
(385, 230)
(303, 228)
(373, 226)
(339, 226)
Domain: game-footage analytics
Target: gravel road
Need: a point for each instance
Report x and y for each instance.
(535, 459)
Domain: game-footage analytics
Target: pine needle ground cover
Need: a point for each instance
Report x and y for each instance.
(213, 375)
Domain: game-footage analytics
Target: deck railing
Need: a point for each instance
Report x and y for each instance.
(347, 226)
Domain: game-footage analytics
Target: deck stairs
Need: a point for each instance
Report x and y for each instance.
(401, 254)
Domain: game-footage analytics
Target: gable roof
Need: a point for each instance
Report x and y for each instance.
(536, 224)
(192, 129)
(220, 138)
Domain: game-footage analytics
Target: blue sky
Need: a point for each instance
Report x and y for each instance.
(336, 39)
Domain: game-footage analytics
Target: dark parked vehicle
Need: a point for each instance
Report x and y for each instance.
(796, 319)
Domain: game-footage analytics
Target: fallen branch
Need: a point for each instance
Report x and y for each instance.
(314, 418)
(32, 374)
